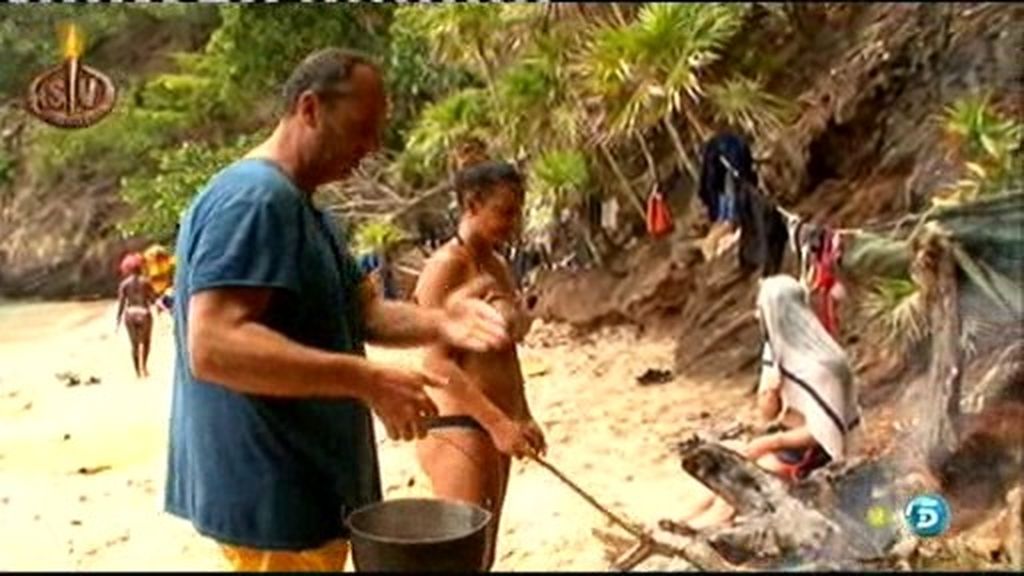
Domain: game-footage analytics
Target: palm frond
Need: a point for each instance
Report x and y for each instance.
(442, 124)
(651, 68)
(895, 309)
(558, 178)
(745, 103)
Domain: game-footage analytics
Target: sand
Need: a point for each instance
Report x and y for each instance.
(82, 468)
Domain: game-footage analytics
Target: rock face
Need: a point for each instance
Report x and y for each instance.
(865, 148)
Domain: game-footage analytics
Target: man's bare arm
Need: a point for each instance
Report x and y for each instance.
(470, 323)
(397, 324)
(229, 346)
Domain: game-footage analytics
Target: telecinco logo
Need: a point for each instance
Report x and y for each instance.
(927, 515)
(71, 95)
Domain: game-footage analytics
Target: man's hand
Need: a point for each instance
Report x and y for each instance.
(471, 323)
(397, 396)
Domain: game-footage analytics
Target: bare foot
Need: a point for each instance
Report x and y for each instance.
(772, 464)
(737, 446)
(696, 506)
(718, 513)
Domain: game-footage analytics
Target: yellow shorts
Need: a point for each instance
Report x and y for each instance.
(328, 558)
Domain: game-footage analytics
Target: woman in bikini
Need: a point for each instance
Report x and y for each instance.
(484, 418)
(806, 390)
(134, 298)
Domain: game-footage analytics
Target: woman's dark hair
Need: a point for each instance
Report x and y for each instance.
(477, 182)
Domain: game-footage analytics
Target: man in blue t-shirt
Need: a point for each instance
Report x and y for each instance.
(271, 434)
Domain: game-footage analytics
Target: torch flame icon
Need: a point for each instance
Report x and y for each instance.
(71, 94)
(72, 45)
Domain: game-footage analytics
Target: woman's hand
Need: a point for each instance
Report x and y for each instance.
(511, 308)
(513, 438)
(536, 436)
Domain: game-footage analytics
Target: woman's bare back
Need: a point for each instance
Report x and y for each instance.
(137, 293)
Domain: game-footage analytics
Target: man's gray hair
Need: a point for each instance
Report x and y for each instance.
(325, 71)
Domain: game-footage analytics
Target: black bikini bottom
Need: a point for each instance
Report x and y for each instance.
(455, 421)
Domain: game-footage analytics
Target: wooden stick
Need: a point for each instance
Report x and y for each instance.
(631, 528)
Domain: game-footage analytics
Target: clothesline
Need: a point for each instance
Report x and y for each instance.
(790, 216)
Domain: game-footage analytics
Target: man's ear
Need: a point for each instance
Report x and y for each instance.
(308, 108)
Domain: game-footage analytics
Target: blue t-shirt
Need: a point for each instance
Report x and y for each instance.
(262, 472)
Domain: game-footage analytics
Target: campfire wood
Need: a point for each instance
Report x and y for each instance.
(696, 553)
(771, 523)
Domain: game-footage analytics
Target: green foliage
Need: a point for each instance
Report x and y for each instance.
(526, 92)
(377, 236)
(647, 70)
(415, 79)
(894, 308)
(557, 179)
(981, 130)
(112, 147)
(480, 38)
(990, 146)
(162, 196)
(743, 102)
(251, 54)
(442, 124)
(30, 40)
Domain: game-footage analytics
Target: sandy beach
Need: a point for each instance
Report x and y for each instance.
(82, 467)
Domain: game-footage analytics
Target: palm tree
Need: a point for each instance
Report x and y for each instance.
(649, 71)
(442, 125)
(559, 179)
(482, 38)
(743, 102)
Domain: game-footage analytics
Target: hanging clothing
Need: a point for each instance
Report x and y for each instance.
(659, 217)
(818, 251)
(824, 282)
(763, 233)
(610, 214)
(369, 262)
(593, 212)
(388, 281)
(714, 179)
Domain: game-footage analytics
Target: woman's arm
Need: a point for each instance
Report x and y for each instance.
(511, 306)
(120, 306)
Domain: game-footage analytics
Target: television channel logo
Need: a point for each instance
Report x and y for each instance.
(927, 515)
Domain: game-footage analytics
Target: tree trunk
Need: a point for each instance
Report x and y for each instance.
(677, 142)
(939, 434)
(583, 225)
(623, 181)
(771, 522)
(652, 167)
